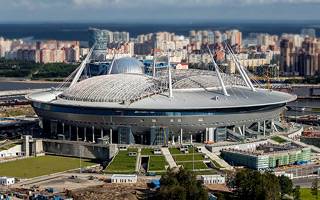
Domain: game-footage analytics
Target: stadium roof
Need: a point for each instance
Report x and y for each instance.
(132, 87)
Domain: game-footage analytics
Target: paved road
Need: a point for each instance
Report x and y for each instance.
(304, 182)
(169, 158)
(216, 158)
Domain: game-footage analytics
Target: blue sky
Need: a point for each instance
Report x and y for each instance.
(156, 10)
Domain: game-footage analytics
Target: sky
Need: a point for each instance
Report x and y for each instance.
(156, 10)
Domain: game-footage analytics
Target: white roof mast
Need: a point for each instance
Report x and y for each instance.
(113, 59)
(82, 66)
(154, 65)
(241, 70)
(169, 77)
(218, 74)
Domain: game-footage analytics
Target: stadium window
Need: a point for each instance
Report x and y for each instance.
(171, 120)
(154, 120)
(200, 119)
(179, 120)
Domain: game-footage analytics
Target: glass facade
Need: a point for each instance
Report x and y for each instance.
(101, 38)
(129, 112)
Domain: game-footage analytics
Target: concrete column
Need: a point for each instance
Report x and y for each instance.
(70, 132)
(191, 139)
(259, 125)
(264, 128)
(85, 134)
(173, 140)
(181, 136)
(244, 129)
(77, 133)
(93, 134)
(101, 133)
(110, 136)
(207, 132)
(272, 126)
(179, 140)
(63, 128)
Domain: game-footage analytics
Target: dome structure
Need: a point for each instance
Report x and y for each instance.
(112, 88)
(127, 65)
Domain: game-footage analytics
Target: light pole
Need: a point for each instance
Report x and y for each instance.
(192, 157)
(80, 157)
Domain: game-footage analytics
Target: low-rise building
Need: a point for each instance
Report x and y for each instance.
(213, 179)
(7, 180)
(124, 178)
(267, 156)
(11, 150)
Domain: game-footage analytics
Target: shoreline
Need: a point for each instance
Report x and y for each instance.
(25, 80)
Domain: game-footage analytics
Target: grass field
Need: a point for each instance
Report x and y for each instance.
(174, 151)
(306, 194)
(278, 139)
(147, 151)
(43, 165)
(189, 165)
(216, 164)
(157, 163)
(7, 146)
(123, 163)
(188, 157)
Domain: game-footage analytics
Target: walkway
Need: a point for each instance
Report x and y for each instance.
(138, 161)
(216, 158)
(165, 151)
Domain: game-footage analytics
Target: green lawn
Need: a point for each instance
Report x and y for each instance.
(147, 151)
(189, 165)
(123, 163)
(216, 164)
(157, 163)
(43, 165)
(306, 194)
(177, 151)
(174, 151)
(278, 139)
(188, 157)
(7, 146)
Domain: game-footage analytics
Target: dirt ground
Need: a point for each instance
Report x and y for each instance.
(113, 191)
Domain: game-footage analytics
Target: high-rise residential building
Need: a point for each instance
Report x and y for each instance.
(235, 37)
(218, 37)
(308, 57)
(287, 50)
(100, 38)
(308, 32)
(211, 37)
(303, 60)
(5, 46)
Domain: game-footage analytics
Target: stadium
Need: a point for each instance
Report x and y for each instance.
(126, 105)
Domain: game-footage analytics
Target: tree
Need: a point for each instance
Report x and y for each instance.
(253, 185)
(315, 187)
(285, 185)
(181, 185)
(296, 193)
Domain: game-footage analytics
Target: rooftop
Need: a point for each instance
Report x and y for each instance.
(267, 149)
